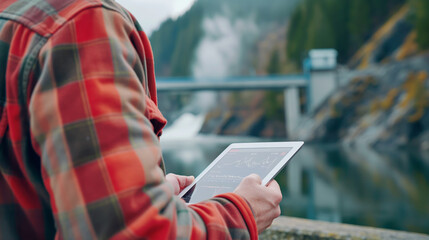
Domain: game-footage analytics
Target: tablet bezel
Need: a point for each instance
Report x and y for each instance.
(294, 145)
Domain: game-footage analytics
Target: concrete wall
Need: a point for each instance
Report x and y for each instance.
(296, 228)
(323, 83)
(292, 110)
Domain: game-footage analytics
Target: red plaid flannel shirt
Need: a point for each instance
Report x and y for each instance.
(79, 152)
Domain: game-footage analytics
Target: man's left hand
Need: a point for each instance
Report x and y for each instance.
(179, 182)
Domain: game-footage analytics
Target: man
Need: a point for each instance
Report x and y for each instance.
(79, 127)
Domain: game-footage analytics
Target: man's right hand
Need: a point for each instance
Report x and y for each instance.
(264, 200)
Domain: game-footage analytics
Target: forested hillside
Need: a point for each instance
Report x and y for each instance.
(347, 25)
(339, 24)
(175, 42)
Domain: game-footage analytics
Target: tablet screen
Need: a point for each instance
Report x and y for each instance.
(236, 164)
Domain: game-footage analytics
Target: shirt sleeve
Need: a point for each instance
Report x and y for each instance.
(100, 156)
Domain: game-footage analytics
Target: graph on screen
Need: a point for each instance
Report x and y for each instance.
(236, 164)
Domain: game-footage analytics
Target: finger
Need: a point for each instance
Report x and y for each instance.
(279, 211)
(274, 185)
(172, 179)
(170, 175)
(188, 181)
(184, 181)
(276, 192)
(254, 178)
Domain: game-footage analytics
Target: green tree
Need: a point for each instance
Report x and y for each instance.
(297, 35)
(175, 41)
(274, 64)
(359, 21)
(320, 32)
(189, 36)
(340, 24)
(421, 22)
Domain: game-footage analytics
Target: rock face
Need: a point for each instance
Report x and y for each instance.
(248, 113)
(384, 105)
(387, 103)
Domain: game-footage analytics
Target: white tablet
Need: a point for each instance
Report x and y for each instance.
(237, 161)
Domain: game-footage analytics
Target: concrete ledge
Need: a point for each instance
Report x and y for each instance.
(295, 228)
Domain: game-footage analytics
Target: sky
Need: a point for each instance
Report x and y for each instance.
(151, 13)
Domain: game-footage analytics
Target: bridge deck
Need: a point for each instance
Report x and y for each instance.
(234, 83)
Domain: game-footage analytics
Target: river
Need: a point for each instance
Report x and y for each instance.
(355, 185)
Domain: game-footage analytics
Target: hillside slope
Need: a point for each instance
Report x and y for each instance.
(384, 105)
(229, 26)
(385, 101)
(342, 25)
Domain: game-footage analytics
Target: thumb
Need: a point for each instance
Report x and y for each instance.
(184, 181)
(188, 180)
(254, 178)
(273, 184)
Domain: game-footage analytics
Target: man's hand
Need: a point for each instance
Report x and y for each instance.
(179, 182)
(264, 200)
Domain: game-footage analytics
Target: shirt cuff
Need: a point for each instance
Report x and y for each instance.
(245, 210)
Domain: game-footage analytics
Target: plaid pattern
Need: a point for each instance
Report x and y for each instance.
(79, 128)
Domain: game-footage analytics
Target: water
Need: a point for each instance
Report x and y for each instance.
(355, 185)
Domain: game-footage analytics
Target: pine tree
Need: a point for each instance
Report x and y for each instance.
(422, 22)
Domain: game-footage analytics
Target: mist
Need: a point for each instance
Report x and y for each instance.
(222, 51)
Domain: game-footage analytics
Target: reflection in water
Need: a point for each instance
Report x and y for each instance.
(338, 184)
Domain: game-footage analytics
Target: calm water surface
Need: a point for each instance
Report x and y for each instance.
(355, 185)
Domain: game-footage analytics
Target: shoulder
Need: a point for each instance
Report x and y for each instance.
(46, 17)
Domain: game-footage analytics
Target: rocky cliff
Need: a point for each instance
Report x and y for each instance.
(384, 100)
(384, 105)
